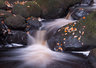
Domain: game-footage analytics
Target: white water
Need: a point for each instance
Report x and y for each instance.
(56, 24)
(86, 53)
(38, 55)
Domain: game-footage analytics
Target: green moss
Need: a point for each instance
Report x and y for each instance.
(2, 4)
(33, 8)
(90, 23)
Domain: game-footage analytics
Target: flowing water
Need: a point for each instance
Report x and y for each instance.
(38, 55)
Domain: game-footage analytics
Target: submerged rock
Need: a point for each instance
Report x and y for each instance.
(15, 22)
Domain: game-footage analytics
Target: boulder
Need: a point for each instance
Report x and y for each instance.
(55, 8)
(29, 9)
(80, 35)
(15, 22)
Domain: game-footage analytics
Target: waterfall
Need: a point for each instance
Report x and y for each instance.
(37, 54)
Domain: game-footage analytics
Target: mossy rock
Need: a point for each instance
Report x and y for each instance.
(15, 22)
(33, 8)
(20, 10)
(28, 9)
(90, 30)
(4, 14)
(2, 4)
(55, 8)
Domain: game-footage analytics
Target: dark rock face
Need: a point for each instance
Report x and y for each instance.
(33, 24)
(15, 22)
(54, 8)
(4, 14)
(18, 37)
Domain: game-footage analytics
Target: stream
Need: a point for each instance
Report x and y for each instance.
(37, 53)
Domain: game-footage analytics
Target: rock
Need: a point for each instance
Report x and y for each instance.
(4, 14)
(3, 33)
(2, 4)
(18, 37)
(29, 9)
(15, 22)
(90, 29)
(78, 13)
(33, 8)
(77, 36)
(55, 8)
(92, 58)
(87, 2)
(20, 10)
(33, 24)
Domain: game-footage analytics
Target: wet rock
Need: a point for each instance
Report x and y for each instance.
(33, 24)
(79, 35)
(4, 14)
(18, 37)
(86, 2)
(79, 13)
(20, 10)
(55, 8)
(92, 58)
(15, 22)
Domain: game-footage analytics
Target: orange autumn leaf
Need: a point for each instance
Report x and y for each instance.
(84, 17)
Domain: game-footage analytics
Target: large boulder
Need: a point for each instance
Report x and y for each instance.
(15, 22)
(80, 35)
(55, 8)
